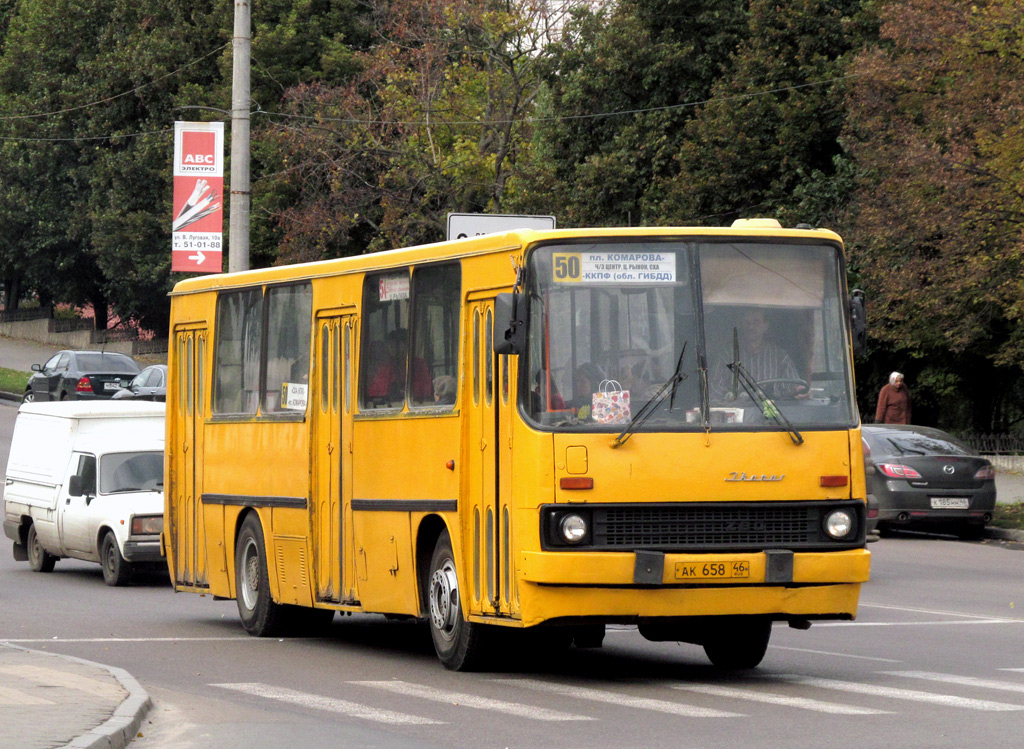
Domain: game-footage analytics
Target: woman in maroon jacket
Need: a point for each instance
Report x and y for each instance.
(893, 402)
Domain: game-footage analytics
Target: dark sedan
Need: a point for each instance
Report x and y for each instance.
(80, 375)
(927, 478)
(148, 385)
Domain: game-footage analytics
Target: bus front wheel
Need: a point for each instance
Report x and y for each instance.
(739, 643)
(260, 615)
(459, 643)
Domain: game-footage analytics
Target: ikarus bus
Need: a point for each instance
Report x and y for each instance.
(549, 431)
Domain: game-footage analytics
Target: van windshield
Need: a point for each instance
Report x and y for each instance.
(132, 472)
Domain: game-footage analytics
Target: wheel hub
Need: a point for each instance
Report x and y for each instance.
(444, 600)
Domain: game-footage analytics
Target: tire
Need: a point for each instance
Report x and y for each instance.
(740, 642)
(64, 396)
(39, 559)
(116, 571)
(260, 615)
(28, 397)
(459, 643)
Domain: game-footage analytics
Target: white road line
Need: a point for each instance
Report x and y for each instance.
(1012, 669)
(461, 699)
(622, 700)
(242, 638)
(938, 612)
(319, 702)
(916, 624)
(779, 699)
(964, 681)
(52, 677)
(15, 698)
(876, 690)
(837, 655)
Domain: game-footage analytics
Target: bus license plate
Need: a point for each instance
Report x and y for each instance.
(728, 569)
(950, 503)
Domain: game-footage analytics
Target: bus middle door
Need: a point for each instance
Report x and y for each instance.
(333, 408)
(484, 532)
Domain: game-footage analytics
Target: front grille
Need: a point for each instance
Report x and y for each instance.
(634, 527)
(729, 526)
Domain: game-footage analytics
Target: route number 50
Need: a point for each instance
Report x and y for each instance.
(566, 267)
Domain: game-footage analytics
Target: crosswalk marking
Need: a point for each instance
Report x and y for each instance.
(15, 697)
(964, 681)
(319, 702)
(622, 700)
(469, 700)
(779, 699)
(876, 690)
(53, 677)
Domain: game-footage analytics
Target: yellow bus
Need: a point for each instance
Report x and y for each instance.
(549, 431)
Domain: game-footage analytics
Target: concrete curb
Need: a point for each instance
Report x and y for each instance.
(121, 727)
(1004, 534)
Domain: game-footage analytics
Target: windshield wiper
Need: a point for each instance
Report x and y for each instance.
(768, 406)
(903, 450)
(669, 388)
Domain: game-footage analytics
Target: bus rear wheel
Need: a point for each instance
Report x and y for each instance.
(259, 614)
(459, 643)
(739, 643)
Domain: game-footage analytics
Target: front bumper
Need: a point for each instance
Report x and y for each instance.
(605, 585)
(143, 550)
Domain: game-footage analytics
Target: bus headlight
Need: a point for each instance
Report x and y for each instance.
(839, 523)
(573, 528)
(145, 525)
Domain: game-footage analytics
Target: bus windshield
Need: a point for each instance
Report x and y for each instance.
(677, 335)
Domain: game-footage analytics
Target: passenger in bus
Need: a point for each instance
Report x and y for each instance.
(444, 390)
(388, 379)
(585, 382)
(763, 360)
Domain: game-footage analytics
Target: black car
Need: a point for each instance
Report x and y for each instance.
(80, 375)
(927, 478)
(148, 385)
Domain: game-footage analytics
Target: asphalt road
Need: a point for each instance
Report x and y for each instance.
(933, 660)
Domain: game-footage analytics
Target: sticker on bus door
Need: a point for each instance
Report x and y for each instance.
(614, 267)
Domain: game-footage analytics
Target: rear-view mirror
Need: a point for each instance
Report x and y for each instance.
(509, 324)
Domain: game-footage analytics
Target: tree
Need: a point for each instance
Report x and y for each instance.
(433, 122)
(620, 87)
(934, 127)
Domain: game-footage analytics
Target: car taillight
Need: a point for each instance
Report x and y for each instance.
(83, 386)
(984, 474)
(898, 471)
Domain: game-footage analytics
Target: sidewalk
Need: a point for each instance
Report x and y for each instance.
(56, 700)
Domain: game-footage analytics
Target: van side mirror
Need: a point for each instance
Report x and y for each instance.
(858, 322)
(75, 486)
(510, 324)
(79, 486)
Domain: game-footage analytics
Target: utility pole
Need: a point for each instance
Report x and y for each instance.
(238, 226)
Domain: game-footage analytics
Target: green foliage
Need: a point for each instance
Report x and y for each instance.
(13, 381)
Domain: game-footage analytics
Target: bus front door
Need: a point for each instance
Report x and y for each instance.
(187, 531)
(332, 407)
(486, 524)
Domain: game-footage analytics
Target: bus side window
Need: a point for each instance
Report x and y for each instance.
(289, 309)
(237, 362)
(435, 321)
(385, 341)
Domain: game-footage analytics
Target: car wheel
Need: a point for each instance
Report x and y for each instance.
(460, 644)
(739, 643)
(28, 397)
(116, 571)
(260, 615)
(39, 558)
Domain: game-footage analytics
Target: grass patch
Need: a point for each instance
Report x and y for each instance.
(13, 381)
(1009, 516)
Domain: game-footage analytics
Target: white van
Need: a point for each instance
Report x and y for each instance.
(85, 480)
